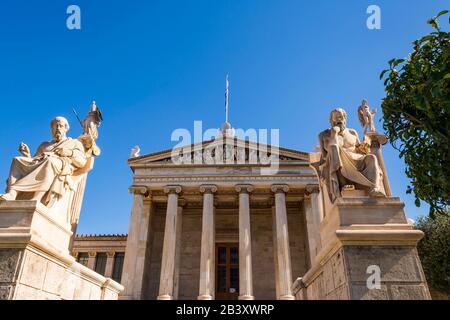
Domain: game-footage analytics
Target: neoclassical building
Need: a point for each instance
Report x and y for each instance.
(219, 231)
(226, 230)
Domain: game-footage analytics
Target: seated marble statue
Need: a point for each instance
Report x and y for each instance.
(47, 175)
(345, 161)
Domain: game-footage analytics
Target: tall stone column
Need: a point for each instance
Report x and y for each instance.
(179, 227)
(137, 244)
(376, 140)
(282, 248)
(91, 259)
(109, 264)
(245, 244)
(313, 208)
(166, 283)
(207, 256)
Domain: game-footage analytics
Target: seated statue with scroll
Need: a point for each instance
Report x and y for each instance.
(48, 174)
(56, 175)
(346, 161)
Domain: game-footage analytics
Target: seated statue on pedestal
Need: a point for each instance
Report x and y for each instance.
(345, 161)
(49, 172)
(57, 172)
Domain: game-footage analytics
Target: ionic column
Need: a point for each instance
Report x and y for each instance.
(245, 244)
(313, 209)
(207, 256)
(109, 264)
(137, 243)
(91, 260)
(166, 283)
(283, 257)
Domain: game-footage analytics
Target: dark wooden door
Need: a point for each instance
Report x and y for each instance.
(227, 271)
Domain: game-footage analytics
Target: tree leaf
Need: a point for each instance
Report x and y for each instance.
(441, 13)
(384, 72)
(417, 202)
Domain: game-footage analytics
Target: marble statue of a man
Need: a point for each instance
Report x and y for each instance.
(366, 116)
(48, 174)
(345, 161)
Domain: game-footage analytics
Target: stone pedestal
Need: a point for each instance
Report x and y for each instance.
(35, 262)
(368, 252)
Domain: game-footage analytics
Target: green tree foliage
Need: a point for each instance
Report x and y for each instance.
(416, 117)
(434, 250)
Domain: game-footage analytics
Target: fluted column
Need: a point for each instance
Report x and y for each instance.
(207, 256)
(282, 248)
(137, 244)
(91, 259)
(313, 209)
(166, 283)
(245, 244)
(109, 264)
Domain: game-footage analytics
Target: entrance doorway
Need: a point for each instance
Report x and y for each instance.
(227, 271)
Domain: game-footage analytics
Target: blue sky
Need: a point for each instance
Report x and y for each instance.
(154, 66)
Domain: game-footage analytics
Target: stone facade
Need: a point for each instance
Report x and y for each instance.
(35, 263)
(90, 250)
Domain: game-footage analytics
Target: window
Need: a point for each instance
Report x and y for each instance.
(83, 258)
(118, 266)
(100, 263)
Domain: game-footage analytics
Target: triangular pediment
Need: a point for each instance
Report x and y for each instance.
(221, 151)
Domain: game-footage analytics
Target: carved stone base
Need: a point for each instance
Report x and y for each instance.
(360, 237)
(34, 259)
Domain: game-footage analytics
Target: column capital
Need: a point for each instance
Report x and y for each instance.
(376, 139)
(312, 188)
(75, 254)
(208, 188)
(110, 254)
(139, 190)
(277, 188)
(244, 188)
(92, 254)
(172, 189)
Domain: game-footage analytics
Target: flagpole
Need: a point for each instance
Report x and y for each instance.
(226, 100)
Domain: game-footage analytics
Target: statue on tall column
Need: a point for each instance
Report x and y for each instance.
(57, 172)
(345, 160)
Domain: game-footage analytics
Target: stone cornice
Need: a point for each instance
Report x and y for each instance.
(304, 179)
(106, 237)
